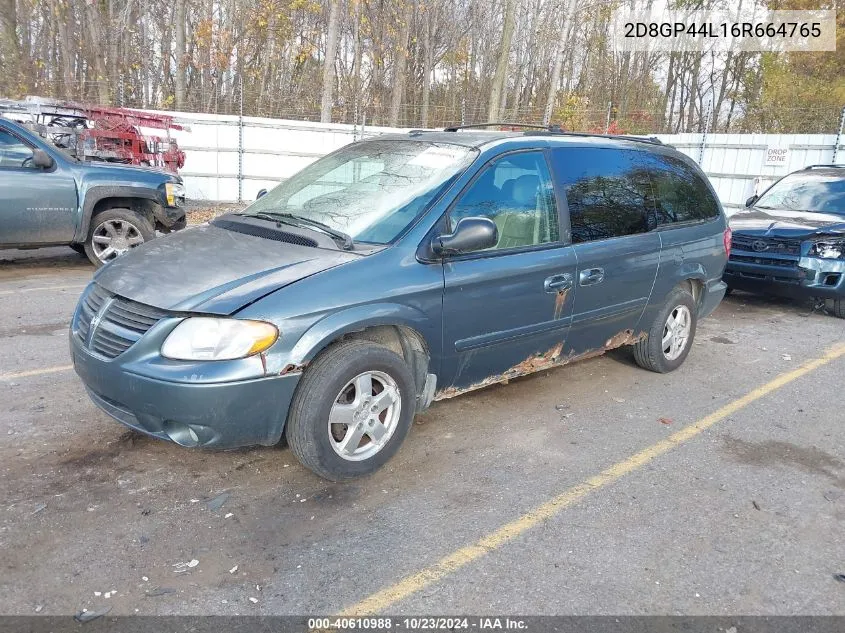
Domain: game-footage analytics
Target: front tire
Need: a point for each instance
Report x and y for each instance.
(839, 308)
(114, 232)
(671, 334)
(351, 411)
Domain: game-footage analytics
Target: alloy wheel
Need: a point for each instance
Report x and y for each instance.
(676, 332)
(113, 238)
(364, 415)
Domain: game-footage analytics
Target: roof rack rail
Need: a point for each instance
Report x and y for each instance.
(556, 130)
(455, 128)
(840, 166)
(653, 140)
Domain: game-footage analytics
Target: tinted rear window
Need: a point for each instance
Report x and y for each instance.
(681, 195)
(608, 191)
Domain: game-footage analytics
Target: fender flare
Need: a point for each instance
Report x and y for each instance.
(323, 332)
(95, 194)
(690, 270)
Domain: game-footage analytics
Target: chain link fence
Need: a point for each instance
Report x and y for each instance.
(456, 108)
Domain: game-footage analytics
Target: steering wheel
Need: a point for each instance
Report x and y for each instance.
(28, 161)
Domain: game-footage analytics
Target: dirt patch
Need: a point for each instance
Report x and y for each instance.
(47, 329)
(771, 453)
(202, 211)
(723, 340)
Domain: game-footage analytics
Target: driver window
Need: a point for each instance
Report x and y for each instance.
(515, 191)
(14, 153)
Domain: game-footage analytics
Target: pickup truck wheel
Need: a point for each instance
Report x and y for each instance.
(671, 334)
(113, 232)
(351, 411)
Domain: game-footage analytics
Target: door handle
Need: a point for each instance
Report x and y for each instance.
(556, 283)
(591, 276)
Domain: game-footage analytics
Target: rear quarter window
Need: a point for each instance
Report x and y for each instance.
(608, 191)
(680, 193)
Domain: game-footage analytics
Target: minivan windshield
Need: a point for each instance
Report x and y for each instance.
(371, 190)
(820, 193)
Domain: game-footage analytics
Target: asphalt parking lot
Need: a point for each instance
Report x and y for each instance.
(596, 488)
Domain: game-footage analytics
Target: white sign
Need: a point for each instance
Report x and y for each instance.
(776, 156)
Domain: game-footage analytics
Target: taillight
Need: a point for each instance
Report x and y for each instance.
(727, 236)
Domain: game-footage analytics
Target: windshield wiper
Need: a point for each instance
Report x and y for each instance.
(298, 220)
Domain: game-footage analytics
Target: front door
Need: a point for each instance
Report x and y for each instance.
(610, 203)
(507, 310)
(37, 206)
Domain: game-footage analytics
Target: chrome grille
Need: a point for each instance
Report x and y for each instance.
(118, 323)
(91, 303)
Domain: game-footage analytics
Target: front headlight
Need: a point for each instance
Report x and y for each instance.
(828, 249)
(174, 191)
(206, 338)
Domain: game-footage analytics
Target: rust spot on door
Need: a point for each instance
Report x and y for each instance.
(540, 362)
(560, 300)
(626, 337)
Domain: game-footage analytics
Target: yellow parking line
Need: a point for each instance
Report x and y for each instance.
(4, 293)
(451, 563)
(35, 372)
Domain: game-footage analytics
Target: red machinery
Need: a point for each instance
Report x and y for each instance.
(103, 133)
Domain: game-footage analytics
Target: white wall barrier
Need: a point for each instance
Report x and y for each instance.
(740, 165)
(227, 156)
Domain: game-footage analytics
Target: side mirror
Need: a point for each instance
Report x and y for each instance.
(261, 192)
(42, 159)
(471, 234)
(750, 202)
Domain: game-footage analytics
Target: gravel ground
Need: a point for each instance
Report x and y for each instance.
(198, 211)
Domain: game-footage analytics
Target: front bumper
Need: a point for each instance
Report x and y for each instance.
(172, 218)
(804, 277)
(207, 415)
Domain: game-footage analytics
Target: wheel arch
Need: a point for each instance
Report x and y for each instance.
(693, 278)
(398, 328)
(139, 199)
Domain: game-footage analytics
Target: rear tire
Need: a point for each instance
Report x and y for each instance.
(113, 232)
(839, 308)
(664, 349)
(344, 384)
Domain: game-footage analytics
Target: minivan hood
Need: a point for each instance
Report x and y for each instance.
(786, 224)
(211, 269)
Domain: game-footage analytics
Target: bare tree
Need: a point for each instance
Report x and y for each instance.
(180, 77)
(502, 65)
(401, 61)
(9, 48)
(329, 62)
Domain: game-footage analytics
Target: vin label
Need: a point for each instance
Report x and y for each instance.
(753, 29)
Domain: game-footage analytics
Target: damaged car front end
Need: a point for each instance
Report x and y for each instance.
(791, 241)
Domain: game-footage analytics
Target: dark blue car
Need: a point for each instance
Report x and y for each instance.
(790, 241)
(395, 272)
